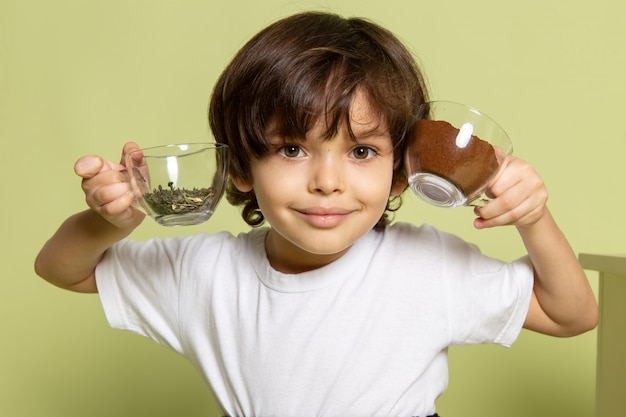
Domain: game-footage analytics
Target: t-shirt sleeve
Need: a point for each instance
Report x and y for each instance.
(488, 299)
(139, 288)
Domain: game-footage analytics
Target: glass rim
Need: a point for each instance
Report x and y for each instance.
(197, 147)
(458, 103)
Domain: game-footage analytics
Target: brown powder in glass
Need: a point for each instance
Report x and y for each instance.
(433, 149)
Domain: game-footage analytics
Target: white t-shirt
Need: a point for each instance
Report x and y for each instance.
(366, 335)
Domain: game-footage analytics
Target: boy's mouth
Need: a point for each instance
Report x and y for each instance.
(324, 217)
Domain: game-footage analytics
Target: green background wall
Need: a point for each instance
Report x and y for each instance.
(79, 77)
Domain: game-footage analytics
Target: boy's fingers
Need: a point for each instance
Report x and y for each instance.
(91, 165)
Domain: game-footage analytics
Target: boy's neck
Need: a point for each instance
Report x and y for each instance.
(289, 259)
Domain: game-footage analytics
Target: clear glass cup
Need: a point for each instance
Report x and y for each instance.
(454, 153)
(179, 184)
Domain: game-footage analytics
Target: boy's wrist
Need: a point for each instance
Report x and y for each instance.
(121, 225)
(542, 221)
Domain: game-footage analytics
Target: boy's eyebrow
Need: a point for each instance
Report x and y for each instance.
(274, 135)
(376, 133)
(275, 139)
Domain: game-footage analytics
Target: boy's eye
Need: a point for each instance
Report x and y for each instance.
(291, 151)
(363, 152)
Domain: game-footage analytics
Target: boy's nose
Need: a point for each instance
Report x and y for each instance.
(327, 175)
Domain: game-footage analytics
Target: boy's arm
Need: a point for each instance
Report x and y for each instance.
(562, 303)
(70, 257)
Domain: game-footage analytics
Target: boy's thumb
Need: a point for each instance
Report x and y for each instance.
(88, 166)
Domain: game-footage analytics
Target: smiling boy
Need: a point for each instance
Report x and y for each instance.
(331, 310)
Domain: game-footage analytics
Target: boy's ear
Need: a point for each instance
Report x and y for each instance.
(242, 185)
(399, 185)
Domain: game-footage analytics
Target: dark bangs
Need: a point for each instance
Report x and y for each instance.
(322, 89)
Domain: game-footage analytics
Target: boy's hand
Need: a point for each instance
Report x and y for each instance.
(519, 198)
(107, 189)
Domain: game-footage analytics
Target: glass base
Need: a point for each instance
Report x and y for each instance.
(436, 190)
(187, 219)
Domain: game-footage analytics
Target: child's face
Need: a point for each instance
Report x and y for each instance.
(320, 196)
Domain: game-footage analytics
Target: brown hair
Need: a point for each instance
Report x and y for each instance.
(304, 67)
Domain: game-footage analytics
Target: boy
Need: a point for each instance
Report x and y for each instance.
(330, 311)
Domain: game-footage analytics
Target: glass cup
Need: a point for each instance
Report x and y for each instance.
(179, 184)
(454, 153)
